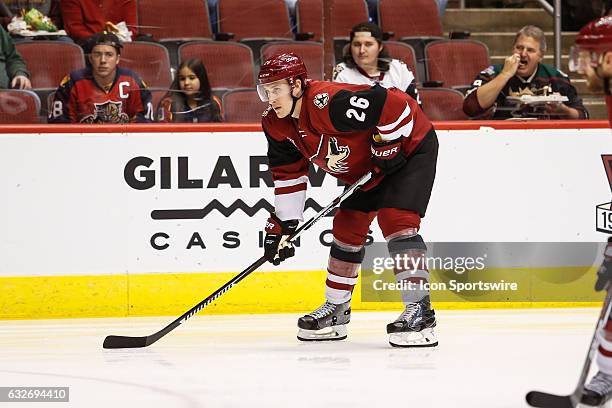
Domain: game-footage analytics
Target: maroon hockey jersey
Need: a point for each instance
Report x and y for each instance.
(79, 99)
(334, 131)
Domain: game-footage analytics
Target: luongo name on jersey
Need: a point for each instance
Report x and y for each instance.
(334, 131)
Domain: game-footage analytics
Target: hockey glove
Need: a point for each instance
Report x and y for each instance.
(604, 274)
(388, 156)
(275, 251)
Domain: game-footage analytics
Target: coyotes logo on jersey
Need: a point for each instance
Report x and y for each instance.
(336, 156)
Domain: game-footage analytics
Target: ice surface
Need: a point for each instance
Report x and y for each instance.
(487, 358)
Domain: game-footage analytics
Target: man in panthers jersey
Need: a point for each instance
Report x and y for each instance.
(103, 92)
(349, 130)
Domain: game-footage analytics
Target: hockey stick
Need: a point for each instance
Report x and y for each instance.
(545, 400)
(114, 342)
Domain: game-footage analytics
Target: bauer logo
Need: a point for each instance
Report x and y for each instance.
(603, 212)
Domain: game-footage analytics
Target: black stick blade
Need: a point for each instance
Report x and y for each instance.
(116, 342)
(545, 400)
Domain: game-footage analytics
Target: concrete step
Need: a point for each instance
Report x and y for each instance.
(487, 19)
(501, 43)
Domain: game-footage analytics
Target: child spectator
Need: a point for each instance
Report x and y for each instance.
(190, 99)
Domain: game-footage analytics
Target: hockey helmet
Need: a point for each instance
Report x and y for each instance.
(593, 40)
(280, 67)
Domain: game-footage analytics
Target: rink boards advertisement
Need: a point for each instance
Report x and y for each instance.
(146, 220)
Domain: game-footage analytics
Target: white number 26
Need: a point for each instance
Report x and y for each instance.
(360, 103)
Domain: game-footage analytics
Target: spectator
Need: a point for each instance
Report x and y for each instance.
(12, 8)
(13, 70)
(190, 99)
(102, 92)
(84, 18)
(366, 61)
(522, 72)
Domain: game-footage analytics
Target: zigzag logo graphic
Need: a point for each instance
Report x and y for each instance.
(200, 213)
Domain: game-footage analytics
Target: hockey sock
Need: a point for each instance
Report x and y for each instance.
(410, 268)
(342, 271)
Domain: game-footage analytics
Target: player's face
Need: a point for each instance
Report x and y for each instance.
(188, 81)
(278, 95)
(530, 53)
(104, 60)
(365, 49)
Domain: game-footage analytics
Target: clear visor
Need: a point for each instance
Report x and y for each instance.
(580, 60)
(273, 90)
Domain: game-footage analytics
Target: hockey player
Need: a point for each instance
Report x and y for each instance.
(349, 130)
(592, 56)
(104, 92)
(599, 390)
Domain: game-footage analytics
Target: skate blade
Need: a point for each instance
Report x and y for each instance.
(424, 338)
(326, 334)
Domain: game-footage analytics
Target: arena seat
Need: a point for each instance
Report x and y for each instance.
(243, 106)
(151, 62)
(50, 61)
(442, 104)
(345, 15)
(19, 107)
(455, 63)
(310, 52)
(309, 18)
(174, 20)
(228, 64)
(416, 18)
(416, 23)
(254, 20)
(405, 53)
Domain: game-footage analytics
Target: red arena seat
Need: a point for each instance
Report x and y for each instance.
(19, 107)
(243, 106)
(229, 65)
(50, 61)
(442, 104)
(455, 63)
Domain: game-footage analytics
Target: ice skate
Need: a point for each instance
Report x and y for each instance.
(414, 327)
(328, 322)
(598, 391)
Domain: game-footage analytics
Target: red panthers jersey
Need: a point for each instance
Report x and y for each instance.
(334, 131)
(79, 99)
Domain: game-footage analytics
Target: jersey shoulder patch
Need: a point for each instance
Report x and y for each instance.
(320, 100)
